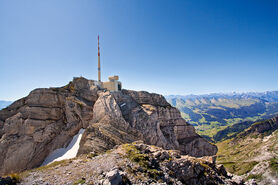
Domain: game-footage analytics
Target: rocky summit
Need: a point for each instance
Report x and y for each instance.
(47, 119)
(134, 163)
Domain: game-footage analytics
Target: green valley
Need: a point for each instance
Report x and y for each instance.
(215, 112)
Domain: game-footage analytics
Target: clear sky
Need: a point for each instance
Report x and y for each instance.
(167, 47)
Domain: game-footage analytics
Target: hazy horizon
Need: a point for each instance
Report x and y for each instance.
(166, 47)
(210, 93)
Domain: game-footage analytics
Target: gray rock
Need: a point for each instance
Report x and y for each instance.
(47, 119)
(113, 177)
(126, 116)
(251, 182)
(164, 156)
(221, 170)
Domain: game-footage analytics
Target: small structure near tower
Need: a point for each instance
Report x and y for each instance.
(113, 84)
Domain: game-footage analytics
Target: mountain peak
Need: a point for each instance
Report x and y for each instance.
(47, 119)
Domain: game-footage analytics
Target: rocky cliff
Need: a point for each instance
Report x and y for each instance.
(47, 119)
(125, 116)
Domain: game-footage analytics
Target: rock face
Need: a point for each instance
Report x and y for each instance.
(47, 119)
(148, 117)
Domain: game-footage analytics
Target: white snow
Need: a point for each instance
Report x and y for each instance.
(65, 153)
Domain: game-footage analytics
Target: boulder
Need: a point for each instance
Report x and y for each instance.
(113, 177)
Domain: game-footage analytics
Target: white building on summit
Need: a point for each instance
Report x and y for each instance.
(113, 84)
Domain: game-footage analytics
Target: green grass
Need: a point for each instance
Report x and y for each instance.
(232, 121)
(209, 130)
(26, 173)
(185, 116)
(239, 168)
(274, 141)
(213, 127)
(273, 163)
(80, 181)
(202, 120)
(54, 164)
(134, 155)
(255, 176)
(237, 157)
(16, 178)
(92, 155)
(237, 154)
(143, 160)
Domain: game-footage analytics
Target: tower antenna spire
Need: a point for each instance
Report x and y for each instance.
(99, 77)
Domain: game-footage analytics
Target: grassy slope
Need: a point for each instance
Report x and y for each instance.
(237, 157)
(241, 154)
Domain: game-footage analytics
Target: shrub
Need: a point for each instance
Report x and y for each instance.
(79, 181)
(255, 176)
(143, 160)
(274, 164)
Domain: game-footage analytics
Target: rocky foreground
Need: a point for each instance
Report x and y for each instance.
(135, 163)
(47, 119)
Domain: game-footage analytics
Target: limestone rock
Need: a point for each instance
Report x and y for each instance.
(135, 163)
(47, 119)
(113, 177)
(126, 116)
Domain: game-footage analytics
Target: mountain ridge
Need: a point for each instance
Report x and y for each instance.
(266, 95)
(33, 127)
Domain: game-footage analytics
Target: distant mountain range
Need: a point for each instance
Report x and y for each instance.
(4, 104)
(211, 113)
(271, 96)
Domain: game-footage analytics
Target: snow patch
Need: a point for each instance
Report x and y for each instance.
(123, 104)
(65, 153)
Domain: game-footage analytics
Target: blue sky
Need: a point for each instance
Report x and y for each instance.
(167, 47)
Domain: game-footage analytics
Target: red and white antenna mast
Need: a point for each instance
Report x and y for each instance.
(99, 77)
